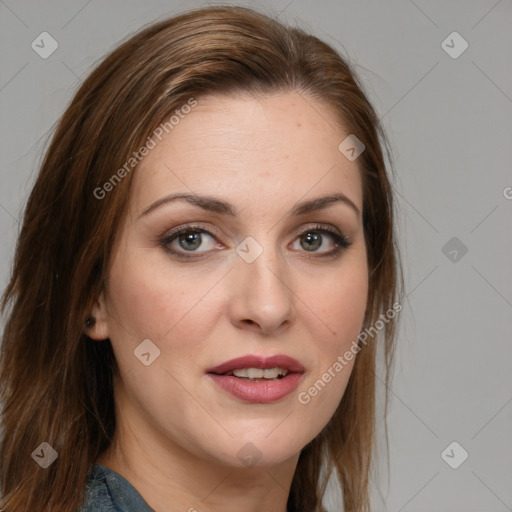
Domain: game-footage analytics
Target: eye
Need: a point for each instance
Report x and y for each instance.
(189, 239)
(194, 241)
(322, 240)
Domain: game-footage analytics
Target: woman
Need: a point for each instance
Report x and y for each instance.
(206, 262)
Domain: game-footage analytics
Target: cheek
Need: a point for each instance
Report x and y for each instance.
(150, 301)
(341, 305)
(346, 304)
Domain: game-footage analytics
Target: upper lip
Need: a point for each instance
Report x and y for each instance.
(261, 362)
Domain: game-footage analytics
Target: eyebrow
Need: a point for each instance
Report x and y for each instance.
(221, 207)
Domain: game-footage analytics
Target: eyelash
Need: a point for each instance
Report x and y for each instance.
(342, 242)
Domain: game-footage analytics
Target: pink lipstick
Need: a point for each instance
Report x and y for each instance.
(258, 379)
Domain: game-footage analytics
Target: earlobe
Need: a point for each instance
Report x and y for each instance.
(96, 325)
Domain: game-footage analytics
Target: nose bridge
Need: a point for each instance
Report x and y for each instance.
(263, 267)
(263, 294)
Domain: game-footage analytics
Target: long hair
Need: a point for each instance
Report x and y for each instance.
(56, 386)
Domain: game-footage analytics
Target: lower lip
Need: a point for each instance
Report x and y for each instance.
(258, 391)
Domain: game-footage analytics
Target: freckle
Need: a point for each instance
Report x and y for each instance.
(299, 125)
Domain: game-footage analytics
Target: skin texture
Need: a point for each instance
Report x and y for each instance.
(178, 434)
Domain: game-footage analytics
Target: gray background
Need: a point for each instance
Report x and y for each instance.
(450, 123)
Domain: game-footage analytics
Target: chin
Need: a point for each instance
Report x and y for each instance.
(259, 449)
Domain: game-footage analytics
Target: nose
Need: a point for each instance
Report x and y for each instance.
(262, 297)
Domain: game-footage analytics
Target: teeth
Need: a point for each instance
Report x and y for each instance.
(257, 373)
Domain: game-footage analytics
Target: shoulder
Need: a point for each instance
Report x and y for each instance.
(108, 491)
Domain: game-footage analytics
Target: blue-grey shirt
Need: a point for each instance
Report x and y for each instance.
(108, 491)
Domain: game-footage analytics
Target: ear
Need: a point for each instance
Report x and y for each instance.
(99, 330)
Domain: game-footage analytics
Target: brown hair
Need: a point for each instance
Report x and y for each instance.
(56, 386)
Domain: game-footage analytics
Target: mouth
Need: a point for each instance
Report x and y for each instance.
(256, 379)
(258, 374)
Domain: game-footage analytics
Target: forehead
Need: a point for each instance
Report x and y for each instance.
(264, 148)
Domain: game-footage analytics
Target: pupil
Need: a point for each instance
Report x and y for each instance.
(192, 239)
(313, 240)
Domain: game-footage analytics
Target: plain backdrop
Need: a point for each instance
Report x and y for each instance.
(447, 109)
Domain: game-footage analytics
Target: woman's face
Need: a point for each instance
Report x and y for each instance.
(254, 277)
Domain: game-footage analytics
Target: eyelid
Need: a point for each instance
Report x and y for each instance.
(189, 227)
